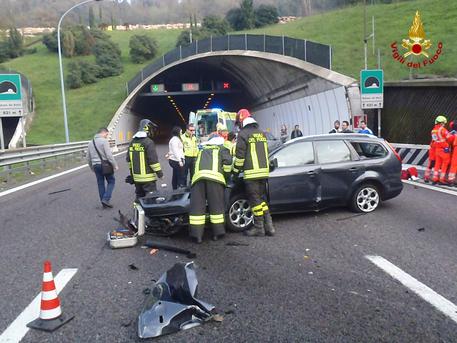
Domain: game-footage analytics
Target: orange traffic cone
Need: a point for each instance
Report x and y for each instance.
(51, 317)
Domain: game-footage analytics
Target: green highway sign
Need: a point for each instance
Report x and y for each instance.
(10, 95)
(157, 87)
(372, 88)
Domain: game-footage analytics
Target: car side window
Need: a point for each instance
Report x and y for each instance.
(296, 154)
(332, 151)
(370, 150)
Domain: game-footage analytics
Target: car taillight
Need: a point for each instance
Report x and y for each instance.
(395, 153)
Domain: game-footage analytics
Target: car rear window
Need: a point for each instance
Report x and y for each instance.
(332, 151)
(369, 150)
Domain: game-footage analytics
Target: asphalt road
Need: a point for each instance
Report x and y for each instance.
(309, 283)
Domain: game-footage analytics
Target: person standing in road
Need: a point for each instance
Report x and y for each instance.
(364, 128)
(345, 127)
(190, 151)
(296, 133)
(440, 136)
(212, 168)
(143, 161)
(283, 133)
(336, 127)
(251, 158)
(176, 158)
(453, 142)
(98, 151)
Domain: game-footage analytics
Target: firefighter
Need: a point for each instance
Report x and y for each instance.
(453, 141)
(190, 150)
(440, 135)
(143, 161)
(251, 158)
(230, 143)
(212, 167)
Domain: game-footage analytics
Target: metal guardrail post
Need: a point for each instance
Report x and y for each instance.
(180, 52)
(330, 56)
(196, 47)
(304, 44)
(245, 41)
(142, 76)
(228, 42)
(163, 60)
(264, 42)
(211, 43)
(283, 45)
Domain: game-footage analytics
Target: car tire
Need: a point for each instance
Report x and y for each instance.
(366, 198)
(239, 216)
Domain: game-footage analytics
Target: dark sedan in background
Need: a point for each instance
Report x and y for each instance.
(317, 172)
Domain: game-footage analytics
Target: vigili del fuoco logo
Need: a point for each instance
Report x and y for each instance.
(417, 53)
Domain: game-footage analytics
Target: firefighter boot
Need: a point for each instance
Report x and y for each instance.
(269, 228)
(257, 230)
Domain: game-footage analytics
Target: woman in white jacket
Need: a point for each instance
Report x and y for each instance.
(176, 158)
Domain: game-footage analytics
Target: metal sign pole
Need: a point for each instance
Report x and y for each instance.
(2, 140)
(379, 122)
(24, 144)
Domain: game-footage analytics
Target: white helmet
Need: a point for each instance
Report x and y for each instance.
(248, 121)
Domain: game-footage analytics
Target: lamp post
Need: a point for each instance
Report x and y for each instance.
(62, 83)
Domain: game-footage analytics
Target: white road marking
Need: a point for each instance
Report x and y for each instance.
(30, 184)
(435, 188)
(17, 329)
(425, 292)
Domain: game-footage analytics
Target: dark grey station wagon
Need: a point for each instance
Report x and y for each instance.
(317, 172)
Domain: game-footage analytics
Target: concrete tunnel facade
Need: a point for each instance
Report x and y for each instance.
(278, 89)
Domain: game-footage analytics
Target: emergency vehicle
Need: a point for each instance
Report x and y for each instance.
(205, 121)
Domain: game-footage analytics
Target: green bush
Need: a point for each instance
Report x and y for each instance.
(74, 79)
(142, 48)
(266, 15)
(215, 25)
(108, 58)
(50, 41)
(84, 40)
(15, 43)
(4, 51)
(89, 72)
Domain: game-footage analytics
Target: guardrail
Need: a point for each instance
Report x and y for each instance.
(414, 154)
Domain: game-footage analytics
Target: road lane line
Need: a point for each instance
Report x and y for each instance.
(425, 292)
(30, 184)
(17, 329)
(434, 188)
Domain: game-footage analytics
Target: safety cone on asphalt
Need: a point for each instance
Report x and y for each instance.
(51, 317)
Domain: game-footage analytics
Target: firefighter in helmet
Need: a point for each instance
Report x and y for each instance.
(251, 158)
(213, 166)
(143, 160)
(440, 136)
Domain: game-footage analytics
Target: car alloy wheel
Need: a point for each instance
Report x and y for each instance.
(240, 214)
(367, 199)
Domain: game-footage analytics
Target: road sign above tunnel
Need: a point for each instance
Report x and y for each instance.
(10, 95)
(372, 88)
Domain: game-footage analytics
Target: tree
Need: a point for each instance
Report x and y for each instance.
(247, 8)
(215, 25)
(50, 41)
(68, 44)
(142, 48)
(92, 23)
(89, 72)
(235, 19)
(266, 15)
(15, 43)
(4, 51)
(108, 58)
(84, 40)
(74, 76)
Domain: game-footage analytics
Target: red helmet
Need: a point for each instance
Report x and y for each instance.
(242, 115)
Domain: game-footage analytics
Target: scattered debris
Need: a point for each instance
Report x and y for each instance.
(126, 223)
(153, 251)
(126, 324)
(133, 267)
(307, 249)
(306, 257)
(237, 244)
(172, 304)
(63, 190)
(421, 229)
(217, 318)
(229, 311)
(146, 291)
(156, 245)
(310, 273)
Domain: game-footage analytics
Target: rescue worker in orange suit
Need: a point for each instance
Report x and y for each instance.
(212, 168)
(431, 162)
(440, 136)
(453, 142)
(251, 158)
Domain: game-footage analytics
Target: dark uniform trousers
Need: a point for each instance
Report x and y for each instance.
(189, 168)
(141, 189)
(256, 192)
(214, 192)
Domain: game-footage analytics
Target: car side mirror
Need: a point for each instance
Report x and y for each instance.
(273, 164)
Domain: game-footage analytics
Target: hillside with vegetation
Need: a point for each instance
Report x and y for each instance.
(92, 106)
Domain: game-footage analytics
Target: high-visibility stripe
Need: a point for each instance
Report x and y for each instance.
(50, 304)
(215, 167)
(50, 295)
(210, 175)
(197, 220)
(142, 164)
(264, 206)
(144, 178)
(216, 218)
(239, 162)
(156, 167)
(255, 158)
(227, 168)
(236, 170)
(131, 160)
(48, 286)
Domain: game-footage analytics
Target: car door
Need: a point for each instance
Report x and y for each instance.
(338, 171)
(293, 184)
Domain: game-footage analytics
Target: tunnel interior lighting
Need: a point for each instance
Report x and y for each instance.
(178, 111)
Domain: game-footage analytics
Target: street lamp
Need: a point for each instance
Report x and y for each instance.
(62, 83)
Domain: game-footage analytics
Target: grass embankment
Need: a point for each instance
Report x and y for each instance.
(343, 30)
(88, 107)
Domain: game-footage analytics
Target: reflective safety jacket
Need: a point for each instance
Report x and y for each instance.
(143, 161)
(190, 145)
(213, 163)
(230, 147)
(440, 136)
(251, 153)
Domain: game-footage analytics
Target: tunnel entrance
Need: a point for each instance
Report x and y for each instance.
(278, 89)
